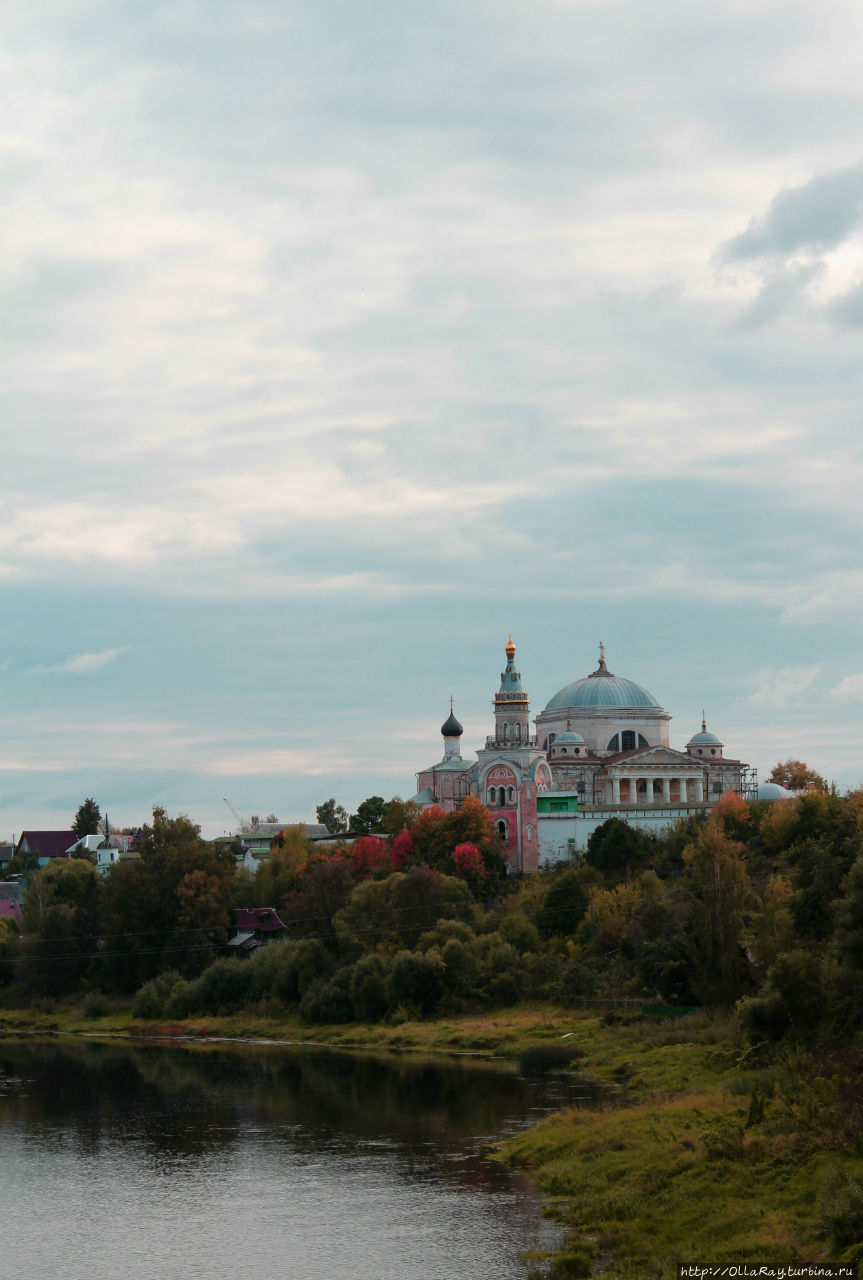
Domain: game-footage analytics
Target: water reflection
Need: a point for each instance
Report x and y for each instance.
(307, 1162)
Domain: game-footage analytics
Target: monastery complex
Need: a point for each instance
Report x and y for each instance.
(600, 750)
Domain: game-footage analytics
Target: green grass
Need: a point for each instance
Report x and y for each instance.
(675, 1164)
(673, 1170)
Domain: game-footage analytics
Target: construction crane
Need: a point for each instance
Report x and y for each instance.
(237, 818)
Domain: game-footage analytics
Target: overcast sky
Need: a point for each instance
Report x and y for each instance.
(340, 340)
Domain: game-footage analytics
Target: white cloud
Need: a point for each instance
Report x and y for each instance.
(82, 664)
(783, 687)
(850, 687)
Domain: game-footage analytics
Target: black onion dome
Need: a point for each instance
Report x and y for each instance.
(451, 727)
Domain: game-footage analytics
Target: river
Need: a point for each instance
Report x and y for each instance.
(158, 1162)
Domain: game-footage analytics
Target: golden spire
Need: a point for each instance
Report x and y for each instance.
(510, 648)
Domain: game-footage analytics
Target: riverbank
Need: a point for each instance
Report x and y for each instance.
(701, 1149)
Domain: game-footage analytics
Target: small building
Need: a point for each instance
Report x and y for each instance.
(107, 850)
(256, 926)
(10, 900)
(46, 845)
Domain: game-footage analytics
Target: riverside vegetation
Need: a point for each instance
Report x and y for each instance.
(729, 1133)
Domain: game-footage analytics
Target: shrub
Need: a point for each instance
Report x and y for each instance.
(95, 1005)
(840, 1209)
(564, 906)
(368, 988)
(520, 932)
(154, 996)
(415, 981)
(328, 999)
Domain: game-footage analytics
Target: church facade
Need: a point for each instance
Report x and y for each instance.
(600, 749)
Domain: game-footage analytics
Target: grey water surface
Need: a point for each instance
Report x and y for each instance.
(155, 1161)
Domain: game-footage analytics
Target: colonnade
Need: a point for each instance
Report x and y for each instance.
(685, 794)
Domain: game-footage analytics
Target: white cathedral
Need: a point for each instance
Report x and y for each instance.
(600, 750)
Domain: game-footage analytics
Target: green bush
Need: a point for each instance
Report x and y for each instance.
(368, 988)
(95, 1005)
(415, 981)
(840, 1209)
(153, 998)
(328, 999)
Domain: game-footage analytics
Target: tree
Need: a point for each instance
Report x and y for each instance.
(169, 908)
(720, 890)
(368, 819)
(796, 775)
(323, 888)
(87, 818)
(370, 855)
(615, 848)
(333, 816)
(564, 906)
(59, 924)
(400, 815)
(278, 874)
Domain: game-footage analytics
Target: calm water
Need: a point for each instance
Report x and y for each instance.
(177, 1163)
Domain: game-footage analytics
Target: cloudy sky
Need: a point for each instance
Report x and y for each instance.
(340, 340)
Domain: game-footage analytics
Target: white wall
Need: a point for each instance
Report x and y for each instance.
(556, 830)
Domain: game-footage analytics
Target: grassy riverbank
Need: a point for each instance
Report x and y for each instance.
(702, 1150)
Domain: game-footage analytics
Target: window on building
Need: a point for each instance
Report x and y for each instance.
(501, 829)
(505, 732)
(642, 741)
(512, 793)
(492, 791)
(518, 733)
(614, 745)
(627, 740)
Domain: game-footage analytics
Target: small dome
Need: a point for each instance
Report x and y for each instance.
(704, 738)
(451, 727)
(773, 791)
(575, 739)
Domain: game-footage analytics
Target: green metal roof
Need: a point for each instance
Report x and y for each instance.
(601, 690)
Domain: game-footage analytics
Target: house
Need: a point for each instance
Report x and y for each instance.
(10, 900)
(46, 845)
(256, 926)
(255, 845)
(107, 850)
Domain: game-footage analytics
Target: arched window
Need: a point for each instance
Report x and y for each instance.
(518, 733)
(502, 796)
(505, 732)
(501, 829)
(614, 745)
(492, 791)
(551, 738)
(512, 793)
(642, 741)
(577, 751)
(627, 740)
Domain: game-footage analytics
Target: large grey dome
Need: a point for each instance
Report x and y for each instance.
(601, 689)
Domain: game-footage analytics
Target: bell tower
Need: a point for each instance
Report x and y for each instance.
(511, 706)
